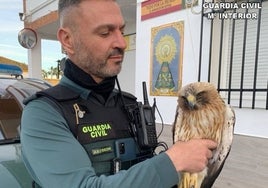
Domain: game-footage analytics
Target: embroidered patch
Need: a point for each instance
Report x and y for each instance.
(103, 150)
(95, 132)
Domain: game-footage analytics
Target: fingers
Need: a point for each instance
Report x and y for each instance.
(209, 154)
(193, 155)
(211, 144)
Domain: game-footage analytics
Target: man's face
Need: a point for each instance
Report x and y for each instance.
(98, 40)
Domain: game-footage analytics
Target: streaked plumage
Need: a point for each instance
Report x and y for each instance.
(201, 113)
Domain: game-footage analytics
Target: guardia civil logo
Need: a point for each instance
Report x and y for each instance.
(96, 131)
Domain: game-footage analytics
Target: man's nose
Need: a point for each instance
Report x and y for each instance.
(120, 41)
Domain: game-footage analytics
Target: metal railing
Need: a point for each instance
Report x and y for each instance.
(229, 88)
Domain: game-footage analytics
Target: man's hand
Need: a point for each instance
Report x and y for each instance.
(191, 156)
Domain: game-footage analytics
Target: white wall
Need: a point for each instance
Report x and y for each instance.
(34, 60)
(35, 10)
(249, 122)
(167, 105)
(127, 75)
(252, 122)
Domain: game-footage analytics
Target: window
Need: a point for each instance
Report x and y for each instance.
(10, 115)
(237, 55)
(248, 58)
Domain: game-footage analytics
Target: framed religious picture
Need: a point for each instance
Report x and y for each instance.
(166, 59)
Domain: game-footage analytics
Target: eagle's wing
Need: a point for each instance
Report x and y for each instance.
(177, 124)
(216, 164)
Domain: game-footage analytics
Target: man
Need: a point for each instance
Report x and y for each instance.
(55, 149)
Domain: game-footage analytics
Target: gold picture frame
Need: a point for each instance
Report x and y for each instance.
(166, 59)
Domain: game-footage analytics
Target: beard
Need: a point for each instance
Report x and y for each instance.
(97, 65)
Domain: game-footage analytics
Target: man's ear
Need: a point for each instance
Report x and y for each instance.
(65, 37)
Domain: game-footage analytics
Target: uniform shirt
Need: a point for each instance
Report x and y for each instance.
(55, 158)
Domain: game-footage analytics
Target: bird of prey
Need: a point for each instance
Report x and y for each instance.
(202, 113)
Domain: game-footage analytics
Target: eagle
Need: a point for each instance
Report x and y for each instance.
(202, 113)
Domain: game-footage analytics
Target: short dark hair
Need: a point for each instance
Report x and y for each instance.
(63, 4)
(67, 3)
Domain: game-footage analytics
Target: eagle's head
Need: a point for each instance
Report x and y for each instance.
(196, 95)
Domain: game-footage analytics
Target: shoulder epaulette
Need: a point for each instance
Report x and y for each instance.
(58, 93)
(128, 95)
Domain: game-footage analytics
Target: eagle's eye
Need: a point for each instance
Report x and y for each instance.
(184, 99)
(201, 94)
(202, 97)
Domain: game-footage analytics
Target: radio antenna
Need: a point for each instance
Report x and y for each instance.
(145, 95)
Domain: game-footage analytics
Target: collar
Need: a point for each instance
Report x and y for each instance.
(81, 78)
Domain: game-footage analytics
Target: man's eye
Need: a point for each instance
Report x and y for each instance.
(104, 32)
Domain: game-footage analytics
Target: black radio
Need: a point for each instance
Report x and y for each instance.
(142, 118)
(142, 121)
(145, 122)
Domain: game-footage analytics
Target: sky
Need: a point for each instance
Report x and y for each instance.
(10, 25)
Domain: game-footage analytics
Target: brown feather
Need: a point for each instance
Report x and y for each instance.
(201, 113)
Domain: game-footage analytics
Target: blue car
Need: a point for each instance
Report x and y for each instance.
(13, 91)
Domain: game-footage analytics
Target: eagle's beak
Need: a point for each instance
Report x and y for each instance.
(191, 101)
